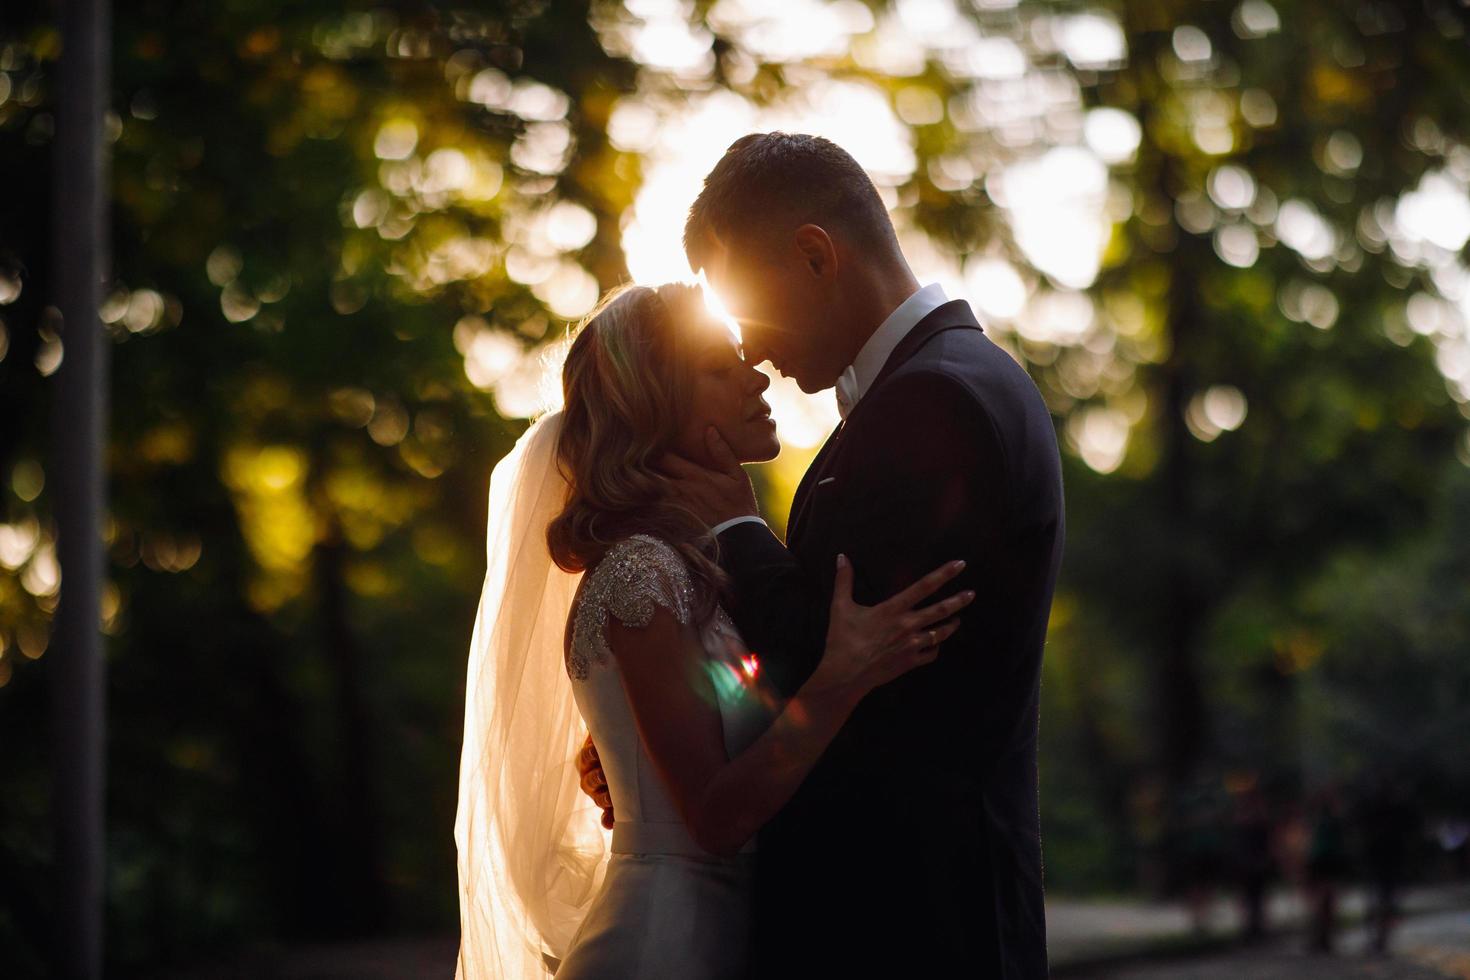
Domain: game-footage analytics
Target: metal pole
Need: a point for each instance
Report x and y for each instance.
(80, 258)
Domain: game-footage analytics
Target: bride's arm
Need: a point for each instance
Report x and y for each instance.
(725, 801)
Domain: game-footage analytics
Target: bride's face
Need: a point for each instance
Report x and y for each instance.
(726, 393)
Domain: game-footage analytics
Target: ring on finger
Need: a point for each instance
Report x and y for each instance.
(933, 638)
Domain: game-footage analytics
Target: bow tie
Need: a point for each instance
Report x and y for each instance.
(847, 392)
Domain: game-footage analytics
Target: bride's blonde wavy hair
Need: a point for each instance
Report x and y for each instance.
(628, 385)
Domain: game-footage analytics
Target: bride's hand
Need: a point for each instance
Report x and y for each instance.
(871, 645)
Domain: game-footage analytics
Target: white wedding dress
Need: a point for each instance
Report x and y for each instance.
(666, 908)
(537, 884)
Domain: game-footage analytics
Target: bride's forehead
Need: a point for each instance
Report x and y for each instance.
(709, 335)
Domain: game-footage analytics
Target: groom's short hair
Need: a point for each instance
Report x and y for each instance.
(768, 184)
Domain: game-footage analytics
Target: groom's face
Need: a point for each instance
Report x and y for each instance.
(783, 307)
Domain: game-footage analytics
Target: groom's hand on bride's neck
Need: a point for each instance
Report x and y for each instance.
(716, 490)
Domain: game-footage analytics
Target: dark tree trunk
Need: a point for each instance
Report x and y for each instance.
(79, 254)
(363, 907)
(1181, 702)
(1180, 709)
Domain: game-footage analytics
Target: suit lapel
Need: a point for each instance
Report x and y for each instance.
(809, 480)
(948, 316)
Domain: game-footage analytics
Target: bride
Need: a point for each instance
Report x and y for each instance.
(601, 611)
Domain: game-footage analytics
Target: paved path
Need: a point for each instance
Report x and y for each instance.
(1270, 965)
(1440, 940)
(1101, 929)
(1432, 943)
(1430, 946)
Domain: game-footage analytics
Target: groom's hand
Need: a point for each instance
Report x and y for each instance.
(716, 493)
(594, 780)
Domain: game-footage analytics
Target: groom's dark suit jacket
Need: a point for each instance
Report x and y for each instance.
(913, 849)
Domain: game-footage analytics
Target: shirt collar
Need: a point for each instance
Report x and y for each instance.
(858, 376)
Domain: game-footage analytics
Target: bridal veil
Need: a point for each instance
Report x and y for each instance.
(532, 851)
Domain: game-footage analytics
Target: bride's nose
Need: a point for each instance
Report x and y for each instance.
(759, 381)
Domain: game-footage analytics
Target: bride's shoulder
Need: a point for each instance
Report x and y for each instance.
(640, 563)
(638, 557)
(640, 546)
(635, 576)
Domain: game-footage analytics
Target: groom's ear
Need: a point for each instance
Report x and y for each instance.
(816, 249)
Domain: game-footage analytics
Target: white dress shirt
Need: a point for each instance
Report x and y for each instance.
(858, 376)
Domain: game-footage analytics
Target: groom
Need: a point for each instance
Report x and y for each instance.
(913, 849)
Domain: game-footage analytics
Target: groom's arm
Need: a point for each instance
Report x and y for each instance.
(778, 606)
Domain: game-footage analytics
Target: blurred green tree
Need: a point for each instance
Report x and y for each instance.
(334, 229)
(1280, 273)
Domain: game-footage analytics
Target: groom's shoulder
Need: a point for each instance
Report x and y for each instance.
(963, 376)
(967, 361)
